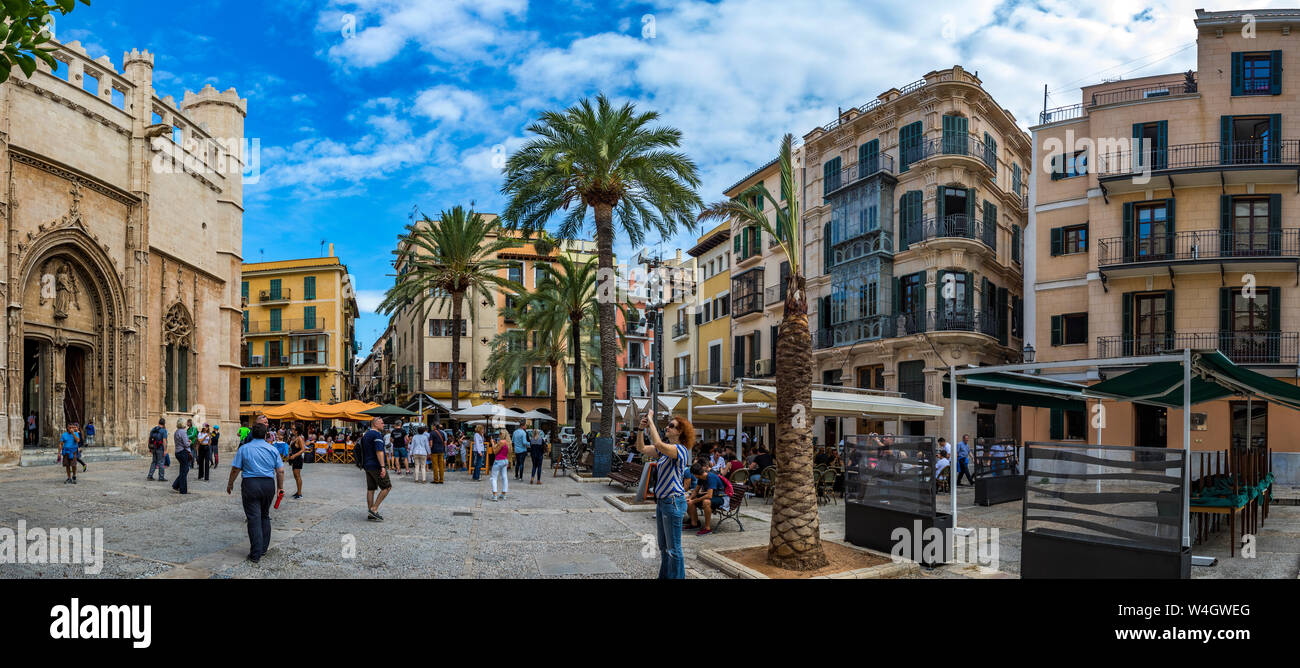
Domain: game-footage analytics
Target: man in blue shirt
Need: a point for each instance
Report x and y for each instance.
(257, 461)
(963, 459)
(709, 493)
(519, 443)
(375, 465)
(69, 451)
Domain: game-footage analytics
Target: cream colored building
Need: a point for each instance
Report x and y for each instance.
(122, 246)
(914, 206)
(1139, 247)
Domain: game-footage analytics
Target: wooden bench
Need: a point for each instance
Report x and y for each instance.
(629, 475)
(732, 512)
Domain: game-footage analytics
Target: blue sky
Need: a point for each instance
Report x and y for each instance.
(366, 109)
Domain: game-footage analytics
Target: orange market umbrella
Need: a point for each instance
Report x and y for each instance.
(346, 410)
(301, 409)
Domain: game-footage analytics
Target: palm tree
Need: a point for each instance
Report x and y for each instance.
(608, 160)
(795, 539)
(451, 259)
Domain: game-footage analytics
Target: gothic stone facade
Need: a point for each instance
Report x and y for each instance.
(119, 267)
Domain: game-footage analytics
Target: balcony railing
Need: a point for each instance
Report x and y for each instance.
(773, 294)
(858, 171)
(681, 328)
(302, 358)
(1068, 112)
(951, 226)
(1210, 245)
(1204, 154)
(1116, 95)
(953, 320)
(281, 295)
(743, 305)
(1240, 347)
(287, 325)
(950, 145)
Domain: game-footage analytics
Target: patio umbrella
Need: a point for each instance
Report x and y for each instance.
(389, 410)
(535, 415)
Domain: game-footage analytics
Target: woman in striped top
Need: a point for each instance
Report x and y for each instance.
(670, 496)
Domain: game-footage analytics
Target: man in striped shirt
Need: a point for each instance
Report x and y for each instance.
(670, 496)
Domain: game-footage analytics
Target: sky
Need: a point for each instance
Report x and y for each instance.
(369, 110)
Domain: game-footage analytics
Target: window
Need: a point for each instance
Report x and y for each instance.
(118, 98)
(60, 69)
(1068, 425)
(275, 319)
(1067, 166)
(1070, 240)
(309, 287)
(1250, 232)
(275, 389)
(831, 175)
(1015, 178)
(1151, 325)
(178, 135)
(909, 142)
(245, 390)
(309, 387)
(1069, 329)
(955, 135)
(516, 273)
(539, 273)
(435, 327)
(1257, 73)
(541, 381)
(1152, 228)
(90, 82)
(1249, 140)
(1015, 243)
(155, 119)
(911, 293)
(1151, 144)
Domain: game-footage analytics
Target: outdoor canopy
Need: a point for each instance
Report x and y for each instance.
(1017, 389)
(1214, 376)
(830, 403)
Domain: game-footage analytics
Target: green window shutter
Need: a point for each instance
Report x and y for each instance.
(735, 245)
(897, 296)
(869, 158)
(1225, 317)
(970, 209)
(970, 292)
(1126, 322)
(939, 212)
(1226, 236)
(309, 317)
(1225, 139)
(991, 154)
(1058, 242)
(1127, 231)
(243, 290)
(1015, 179)
(1238, 72)
(1275, 223)
(1274, 138)
(1169, 320)
(921, 302)
(302, 387)
(1275, 69)
(990, 213)
(275, 320)
(275, 288)
(1015, 242)
(309, 287)
(909, 142)
(1274, 309)
(1056, 330)
(1161, 156)
(1056, 424)
(827, 258)
(266, 353)
(266, 390)
(1170, 226)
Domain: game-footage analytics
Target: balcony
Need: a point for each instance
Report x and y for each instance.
(1202, 164)
(955, 226)
(1241, 347)
(681, 329)
(905, 324)
(288, 326)
(274, 296)
(1127, 256)
(308, 358)
(775, 294)
(882, 163)
(1116, 96)
(716, 377)
(951, 146)
(980, 322)
(747, 304)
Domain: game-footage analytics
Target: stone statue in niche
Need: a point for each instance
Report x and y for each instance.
(63, 285)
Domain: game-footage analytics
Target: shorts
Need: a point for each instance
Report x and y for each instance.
(399, 453)
(373, 481)
(69, 457)
(296, 463)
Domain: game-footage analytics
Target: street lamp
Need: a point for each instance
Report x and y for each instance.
(1028, 353)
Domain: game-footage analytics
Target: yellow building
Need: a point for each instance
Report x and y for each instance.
(298, 332)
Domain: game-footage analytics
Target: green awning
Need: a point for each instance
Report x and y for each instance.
(1214, 376)
(1226, 373)
(1016, 389)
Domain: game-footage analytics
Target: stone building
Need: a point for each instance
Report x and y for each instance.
(122, 214)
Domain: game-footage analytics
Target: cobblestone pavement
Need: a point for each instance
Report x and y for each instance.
(561, 529)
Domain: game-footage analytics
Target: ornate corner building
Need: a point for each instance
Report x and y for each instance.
(122, 215)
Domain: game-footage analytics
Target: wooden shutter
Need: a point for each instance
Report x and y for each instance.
(1138, 153)
(827, 258)
(1126, 323)
(1274, 309)
(1015, 242)
(921, 302)
(1058, 241)
(1275, 70)
(1001, 315)
(1170, 226)
(1225, 317)
(1160, 157)
(970, 211)
(940, 226)
(275, 288)
(1015, 178)
(1056, 424)
(1238, 73)
(1225, 137)
(309, 317)
(1128, 232)
(1274, 223)
(1274, 138)
(896, 296)
(1170, 330)
(309, 287)
(302, 387)
(1227, 240)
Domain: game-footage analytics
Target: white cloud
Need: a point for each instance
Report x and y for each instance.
(448, 103)
(452, 30)
(368, 300)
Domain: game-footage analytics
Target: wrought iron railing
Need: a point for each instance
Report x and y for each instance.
(1210, 245)
(742, 305)
(882, 162)
(964, 320)
(681, 328)
(287, 325)
(281, 295)
(1146, 92)
(752, 369)
(1240, 347)
(950, 144)
(1132, 161)
(952, 225)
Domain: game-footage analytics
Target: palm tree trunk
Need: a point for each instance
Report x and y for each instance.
(455, 350)
(795, 540)
(575, 341)
(607, 296)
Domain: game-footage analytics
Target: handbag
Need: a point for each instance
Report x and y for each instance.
(167, 459)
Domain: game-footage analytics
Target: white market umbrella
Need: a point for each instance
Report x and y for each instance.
(535, 415)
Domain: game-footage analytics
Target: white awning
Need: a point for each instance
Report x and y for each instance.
(842, 404)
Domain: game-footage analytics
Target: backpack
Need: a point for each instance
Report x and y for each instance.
(727, 484)
(156, 440)
(359, 453)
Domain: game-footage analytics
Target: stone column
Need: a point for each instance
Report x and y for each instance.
(58, 378)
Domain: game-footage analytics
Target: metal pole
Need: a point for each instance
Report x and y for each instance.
(1093, 467)
(740, 397)
(1250, 416)
(953, 463)
(1187, 445)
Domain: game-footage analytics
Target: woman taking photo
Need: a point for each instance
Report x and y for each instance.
(670, 497)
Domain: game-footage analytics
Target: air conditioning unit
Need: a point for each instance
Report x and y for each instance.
(255, 360)
(284, 360)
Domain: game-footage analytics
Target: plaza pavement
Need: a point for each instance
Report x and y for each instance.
(561, 529)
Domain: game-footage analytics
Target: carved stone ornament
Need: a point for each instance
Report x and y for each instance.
(61, 288)
(178, 327)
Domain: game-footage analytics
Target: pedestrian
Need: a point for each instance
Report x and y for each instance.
(242, 435)
(90, 432)
(480, 450)
(519, 440)
(158, 449)
(76, 431)
(437, 451)
(400, 452)
(420, 453)
(193, 433)
(184, 455)
(297, 455)
(500, 457)
(963, 460)
(204, 460)
(257, 463)
(375, 464)
(213, 446)
(538, 450)
(68, 452)
(670, 496)
(31, 429)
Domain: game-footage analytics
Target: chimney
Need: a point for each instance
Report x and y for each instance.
(331, 249)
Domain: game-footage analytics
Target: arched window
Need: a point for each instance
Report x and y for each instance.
(178, 340)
